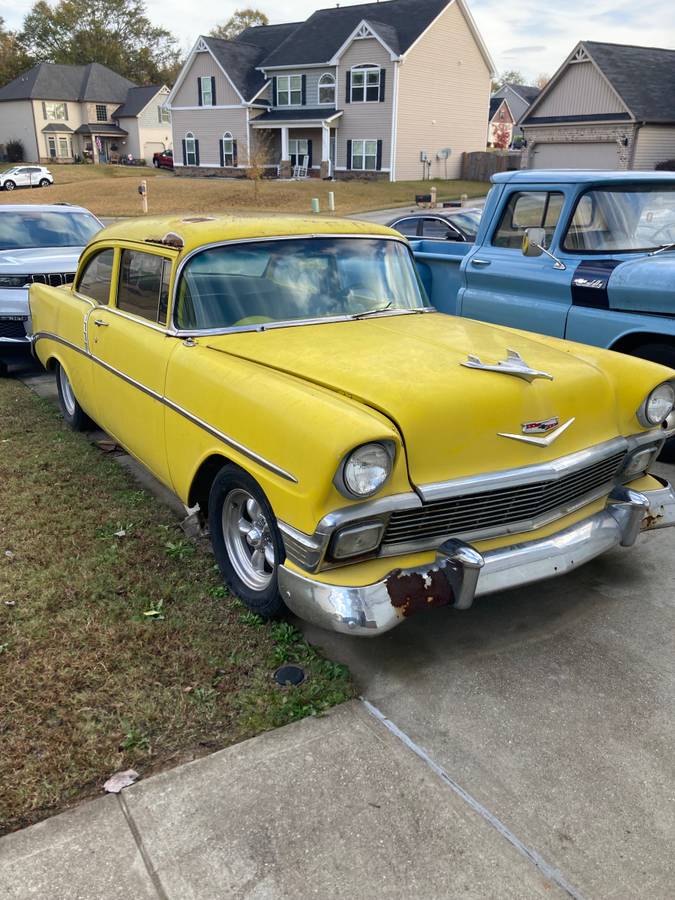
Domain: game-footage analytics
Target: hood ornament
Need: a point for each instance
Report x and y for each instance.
(528, 438)
(514, 364)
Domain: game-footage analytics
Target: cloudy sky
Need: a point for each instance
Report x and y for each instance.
(528, 35)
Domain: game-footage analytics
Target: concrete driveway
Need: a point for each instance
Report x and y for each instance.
(554, 708)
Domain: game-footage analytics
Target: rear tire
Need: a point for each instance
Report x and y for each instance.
(665, 355)
(71, 410)
(44, 182)
(9, 185)
(246, 541)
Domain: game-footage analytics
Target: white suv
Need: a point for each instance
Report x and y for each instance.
(26, 176)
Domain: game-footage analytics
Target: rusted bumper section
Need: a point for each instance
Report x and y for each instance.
(460, 572)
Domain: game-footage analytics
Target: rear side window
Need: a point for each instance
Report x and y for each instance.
(408, 227)
(528, 209)
(144, 285)
(95, 280)
(439, 231)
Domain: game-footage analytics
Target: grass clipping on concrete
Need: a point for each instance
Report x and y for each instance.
(119, 647)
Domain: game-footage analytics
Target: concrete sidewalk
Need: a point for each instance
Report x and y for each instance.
(331, 807)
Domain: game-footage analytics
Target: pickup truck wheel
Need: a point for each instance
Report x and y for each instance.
(665, 355)
(71, 410)
(246, 541)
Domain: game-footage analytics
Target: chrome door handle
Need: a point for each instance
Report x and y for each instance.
(481, 262)
(101, 324)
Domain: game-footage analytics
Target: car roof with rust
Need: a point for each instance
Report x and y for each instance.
(197, 231)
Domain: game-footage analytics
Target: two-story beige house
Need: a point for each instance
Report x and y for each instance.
(378, 90)
(61, 113)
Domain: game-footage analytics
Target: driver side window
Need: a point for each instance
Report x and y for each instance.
(528, 209)
(96, 277)
(144, 285)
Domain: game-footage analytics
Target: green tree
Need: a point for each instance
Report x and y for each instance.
(116, 33)
(13, 57)
(240, 21)
(511, 76)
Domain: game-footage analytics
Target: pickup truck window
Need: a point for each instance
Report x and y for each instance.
(95, 279)
(286, 280)
(528, 209)
(622, 220)
(143, 285)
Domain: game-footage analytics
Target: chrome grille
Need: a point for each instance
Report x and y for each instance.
(12, 327)
(53, 279)
(501, 510)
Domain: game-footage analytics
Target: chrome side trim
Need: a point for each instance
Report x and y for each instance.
(214, 432)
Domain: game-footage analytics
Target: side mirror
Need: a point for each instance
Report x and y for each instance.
(534, 242)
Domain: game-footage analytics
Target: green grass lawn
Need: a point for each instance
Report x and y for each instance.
(119, 646)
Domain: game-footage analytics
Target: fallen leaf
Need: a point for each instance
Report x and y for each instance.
(120, 780)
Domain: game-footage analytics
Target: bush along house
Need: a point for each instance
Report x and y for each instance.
(379, 90)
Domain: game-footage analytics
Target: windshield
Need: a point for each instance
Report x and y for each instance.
(622, 220)
(284, 280)
(28, 230)
(468, 221)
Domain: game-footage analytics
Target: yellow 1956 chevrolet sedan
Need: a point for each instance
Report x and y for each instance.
(357, 455)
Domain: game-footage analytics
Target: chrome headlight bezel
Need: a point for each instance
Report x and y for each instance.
(643, 412)
(342, 478)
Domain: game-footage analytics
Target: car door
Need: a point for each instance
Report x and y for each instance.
(22, 177)
(504, 286)
(129, 342)
(409, 226)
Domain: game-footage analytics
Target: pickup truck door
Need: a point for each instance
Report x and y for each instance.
(129, 342)
(505, 287)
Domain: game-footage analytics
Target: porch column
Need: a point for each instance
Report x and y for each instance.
(325, 151)
(285, 168)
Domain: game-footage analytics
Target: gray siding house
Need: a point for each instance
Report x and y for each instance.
(609, 106)
(377, 90)
(519, 97)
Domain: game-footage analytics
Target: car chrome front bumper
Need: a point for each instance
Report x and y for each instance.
(461, 573)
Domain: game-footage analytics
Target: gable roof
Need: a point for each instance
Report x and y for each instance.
(239, 59)
(495, 103)
(318, 39)
(50, 81)
(527, 92)
(136, 101)
(644, 77)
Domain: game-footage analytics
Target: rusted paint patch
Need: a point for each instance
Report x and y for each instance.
(413, 592)
(652, 521)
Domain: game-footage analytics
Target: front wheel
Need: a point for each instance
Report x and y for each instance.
(246, 541)
(665, 355)
(71, 410)
(45, 182)
(9, 185)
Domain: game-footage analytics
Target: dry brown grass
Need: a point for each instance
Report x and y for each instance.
(111, 191)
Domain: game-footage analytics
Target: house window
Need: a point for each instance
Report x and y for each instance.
(190, 149)
(56, 111)
(206, 90)
(327, 89)
(164, 115)
(101, 112)
(298, 150)
(365, 84)
(63, 147)
(364, 155)
(228, 149)
(289, 90)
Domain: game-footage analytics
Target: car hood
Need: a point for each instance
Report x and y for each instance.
(38, 260)
(449, 416)
(646, 284)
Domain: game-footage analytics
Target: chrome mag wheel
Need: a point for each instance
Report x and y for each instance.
(248, 540)
(67, 392)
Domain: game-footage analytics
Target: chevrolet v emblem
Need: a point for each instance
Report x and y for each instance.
(514, 364)
(540, 441)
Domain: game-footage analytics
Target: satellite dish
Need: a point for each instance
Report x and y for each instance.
(444, 153)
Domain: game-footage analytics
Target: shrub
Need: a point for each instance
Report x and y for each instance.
(668, 165)
(14, 151)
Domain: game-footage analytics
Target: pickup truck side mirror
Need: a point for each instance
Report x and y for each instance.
(534, 241)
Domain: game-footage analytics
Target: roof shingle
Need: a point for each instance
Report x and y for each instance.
(50, 81)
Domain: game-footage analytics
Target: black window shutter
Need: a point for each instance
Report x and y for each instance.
(197, 152)
(383, 80)
(379, 155)
(44, 109)
(65, 106)
(184, 153)
(222, 153)
(234, 153)
(309, 152)
(274, 91)
(213, 91)
(348, 95)
(349, 154)
(199, 91)
(304, 90)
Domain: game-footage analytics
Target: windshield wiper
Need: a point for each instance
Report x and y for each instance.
(663, 249)
(372, 312)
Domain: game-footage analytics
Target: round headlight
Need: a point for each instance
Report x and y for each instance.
(659, 404)
(366, 469)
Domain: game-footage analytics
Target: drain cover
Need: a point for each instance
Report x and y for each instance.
(289, 675)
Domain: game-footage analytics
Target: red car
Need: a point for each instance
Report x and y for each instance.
(163, 160)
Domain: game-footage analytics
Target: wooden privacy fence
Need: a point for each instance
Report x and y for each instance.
(479, 166)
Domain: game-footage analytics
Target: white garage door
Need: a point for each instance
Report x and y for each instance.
(151, 147)
(576, 156)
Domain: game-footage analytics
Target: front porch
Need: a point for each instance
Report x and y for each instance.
(288, 138)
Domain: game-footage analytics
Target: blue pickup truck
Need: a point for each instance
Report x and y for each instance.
(587, 256)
